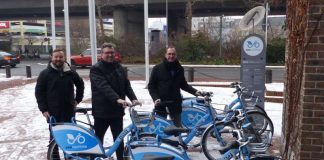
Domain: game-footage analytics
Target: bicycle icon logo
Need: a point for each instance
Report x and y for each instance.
(71, 139)
(194, 118)
(256, 44)
(159, 128)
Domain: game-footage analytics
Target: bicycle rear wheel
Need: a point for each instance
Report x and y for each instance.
(260, 122)
(210, 143)
(260, 130)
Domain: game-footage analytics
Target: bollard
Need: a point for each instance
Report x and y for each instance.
(191, 74)
(126, 71)
(8, 71)
(268, 76)
(28, 71)
(73, 67)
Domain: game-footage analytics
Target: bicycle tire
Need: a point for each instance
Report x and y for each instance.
(59, 154)
(261, 124)
(210, 144)
(52, 154)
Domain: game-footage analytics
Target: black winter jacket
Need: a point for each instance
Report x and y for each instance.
(54, 92)
(109, 82)
(165, 83)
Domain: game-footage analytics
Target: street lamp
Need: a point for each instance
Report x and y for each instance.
(167, 28)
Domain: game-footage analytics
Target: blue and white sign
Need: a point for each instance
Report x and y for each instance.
(253, 46)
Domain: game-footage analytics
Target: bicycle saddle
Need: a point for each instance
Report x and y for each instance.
(173, 130)
(156, 157)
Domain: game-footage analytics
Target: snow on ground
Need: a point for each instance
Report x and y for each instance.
(3, 77)
(24, 131)
(278, 87)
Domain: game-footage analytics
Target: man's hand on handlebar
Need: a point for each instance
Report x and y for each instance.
(123, 103)
(136, 102)
(157, 102)
(46, 115)
(198, 93)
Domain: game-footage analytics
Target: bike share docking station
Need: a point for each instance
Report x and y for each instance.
(253, 62)
(253, 54)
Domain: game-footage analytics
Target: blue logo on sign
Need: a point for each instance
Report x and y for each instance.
(253, 44)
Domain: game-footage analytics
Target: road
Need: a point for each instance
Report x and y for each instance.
(137, 72)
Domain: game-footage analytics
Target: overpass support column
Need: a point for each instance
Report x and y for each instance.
(120, 23)
(176, 26)
(136, 25)
(128, 24)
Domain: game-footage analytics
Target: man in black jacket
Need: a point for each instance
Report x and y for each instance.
(110, 86)
(166, 80)
(54, 89)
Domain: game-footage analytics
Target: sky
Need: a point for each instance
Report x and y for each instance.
(24, 132)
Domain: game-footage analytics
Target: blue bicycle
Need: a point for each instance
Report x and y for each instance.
(78, 142)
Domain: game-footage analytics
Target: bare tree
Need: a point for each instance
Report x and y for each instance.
(79, 34)
(188, 16)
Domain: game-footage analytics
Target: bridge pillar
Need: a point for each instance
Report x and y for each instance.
(128, 23)
(176, 26)
(120, 23)
(136, 24)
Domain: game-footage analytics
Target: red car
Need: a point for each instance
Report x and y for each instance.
(84, 59)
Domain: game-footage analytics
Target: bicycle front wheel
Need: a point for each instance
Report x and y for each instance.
(260, 123)
(54, 153)
(211, 144)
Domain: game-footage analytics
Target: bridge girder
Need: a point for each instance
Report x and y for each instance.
(35, 9)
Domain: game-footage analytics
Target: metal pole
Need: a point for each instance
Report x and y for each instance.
(147, 64)
(167, 27)
(220, 34)
(67, 31)
(92, 24)
(266, 27)
(53, 25)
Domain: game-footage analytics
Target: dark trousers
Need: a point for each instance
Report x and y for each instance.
(116, 126)
(176, 117)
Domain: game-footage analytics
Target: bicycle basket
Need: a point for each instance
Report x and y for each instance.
(140, 119)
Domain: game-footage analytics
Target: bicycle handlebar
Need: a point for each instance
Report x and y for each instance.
(82, 110)
(208, 94)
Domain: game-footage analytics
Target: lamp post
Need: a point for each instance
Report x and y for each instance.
(67, 31)
(146, 42)
(167, 27)
(92, 24)
(53, 25)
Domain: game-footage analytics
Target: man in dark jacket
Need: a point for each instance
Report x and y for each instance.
(110, 86)
(54, 89)
(166, 80)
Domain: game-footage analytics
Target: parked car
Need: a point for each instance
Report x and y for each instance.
(9, 59)
(84, 59)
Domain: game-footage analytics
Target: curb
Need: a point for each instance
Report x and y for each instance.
(16, 83)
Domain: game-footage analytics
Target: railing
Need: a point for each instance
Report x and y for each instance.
(191, 70)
